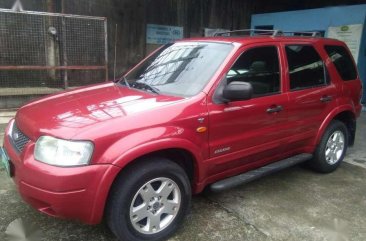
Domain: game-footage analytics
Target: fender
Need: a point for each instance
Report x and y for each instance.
(132, 154)
(330, 117)
(101, 194)
(169, 143)
(130, 147)
(157, 145)
(135, 144)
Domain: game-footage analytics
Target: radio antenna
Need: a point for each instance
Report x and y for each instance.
(115, 54)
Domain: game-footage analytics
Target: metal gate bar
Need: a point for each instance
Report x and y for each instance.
(30, 67)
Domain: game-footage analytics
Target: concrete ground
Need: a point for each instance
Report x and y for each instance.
(295, 204)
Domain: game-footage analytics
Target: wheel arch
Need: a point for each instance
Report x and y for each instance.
(180, 156)
(181, 152)
(349, 119)
(344, 114)
(184, 152)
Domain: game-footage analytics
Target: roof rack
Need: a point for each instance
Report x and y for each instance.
(249, 32)
(272, 33)
(305, 33)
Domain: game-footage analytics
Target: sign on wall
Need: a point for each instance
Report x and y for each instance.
(162, 34)
(350, 34)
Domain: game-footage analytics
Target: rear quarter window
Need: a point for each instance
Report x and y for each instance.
(342, 60)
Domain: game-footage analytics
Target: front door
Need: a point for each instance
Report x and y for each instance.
(248, 133)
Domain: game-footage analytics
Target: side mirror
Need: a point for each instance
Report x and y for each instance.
(237, 90)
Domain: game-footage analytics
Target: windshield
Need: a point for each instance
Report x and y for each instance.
(179, 69)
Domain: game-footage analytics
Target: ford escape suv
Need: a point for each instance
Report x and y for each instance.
(198, 113)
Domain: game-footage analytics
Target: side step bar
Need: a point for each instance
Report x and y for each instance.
(258, 173)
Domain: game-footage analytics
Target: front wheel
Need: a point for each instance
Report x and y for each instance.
(148, 201)
(331, 149)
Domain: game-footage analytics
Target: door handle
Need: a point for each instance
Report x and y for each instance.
(275, 109)
(326, 98)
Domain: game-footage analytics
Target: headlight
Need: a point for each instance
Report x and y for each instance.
(60, 152)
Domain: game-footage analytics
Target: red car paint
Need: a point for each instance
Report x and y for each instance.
(124, 124)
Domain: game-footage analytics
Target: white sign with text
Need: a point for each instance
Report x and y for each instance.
(163, 34)
(350, 34)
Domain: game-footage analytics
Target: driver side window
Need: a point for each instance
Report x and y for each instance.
(259, 67)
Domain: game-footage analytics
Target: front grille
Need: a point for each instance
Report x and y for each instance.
(19, 139)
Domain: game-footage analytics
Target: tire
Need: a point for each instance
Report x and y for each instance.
(331, 149)
(148, 201)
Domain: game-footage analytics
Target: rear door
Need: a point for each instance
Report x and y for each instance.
(312, 94)
(245, 132)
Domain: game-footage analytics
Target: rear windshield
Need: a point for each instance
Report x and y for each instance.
(342, 61)
(180, 69)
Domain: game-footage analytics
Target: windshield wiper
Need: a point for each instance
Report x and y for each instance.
(138, 85)
(145, 86)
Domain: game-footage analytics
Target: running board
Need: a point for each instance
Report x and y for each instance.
(258, 173)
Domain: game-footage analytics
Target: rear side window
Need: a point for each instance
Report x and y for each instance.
(342, 61)
(306, 68)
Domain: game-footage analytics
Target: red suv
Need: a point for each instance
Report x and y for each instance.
(207, 112)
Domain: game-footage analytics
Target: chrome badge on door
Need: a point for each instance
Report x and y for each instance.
(225, 149)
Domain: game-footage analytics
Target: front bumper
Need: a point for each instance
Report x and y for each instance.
(75, 192)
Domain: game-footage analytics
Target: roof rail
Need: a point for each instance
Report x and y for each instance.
(249, 32)
(311, 33)
(272, 33)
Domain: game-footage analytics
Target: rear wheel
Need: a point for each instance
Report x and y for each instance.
(332, 148)
(148, 201)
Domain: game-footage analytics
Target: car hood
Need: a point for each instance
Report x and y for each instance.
(66, 114)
